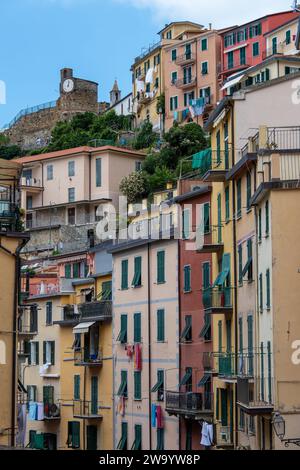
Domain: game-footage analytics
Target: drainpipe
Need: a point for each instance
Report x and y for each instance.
(149, 345)
(84, 404)
(235, 279)
(179, 322)
(14, 345)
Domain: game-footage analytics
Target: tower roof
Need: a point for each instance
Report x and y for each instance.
(116, 86)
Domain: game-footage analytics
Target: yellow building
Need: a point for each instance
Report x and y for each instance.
(86, 362)
(148, 74)
(11, 242)
(220, 242)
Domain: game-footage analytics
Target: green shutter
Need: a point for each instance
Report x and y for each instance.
(137, 445)
(91, 437)
(160, 267)
(137, 279)
(268, 300)
(123, 390)
(219, 219)
(187, 278)
(76, 387)
(206, 210)
(227, 204)
(218, 137)
(76, 270)
(261, 293)
(224, 411)
(44, 352)
(228, 335)
(206, 275)
(137, 385)
(49, 313)
(248, 190)
(218, 404)
(124, 278)
(52, 352)
(37, 353)
(160, 439)
(220, 335)
(137, 335)
(267, 218)
(98, 172)
(262, 372)
(259, 226)
(186, 224)
(239, 198)
(68, 271)
(240, 256)
(250, 344)
(269, 373)
(94, 395)
(48, 395)
(204, 44)
(75, 434)
(122, 337)
(241, 346)
(160, 325)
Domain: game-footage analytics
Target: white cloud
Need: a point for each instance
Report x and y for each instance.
(218, 12)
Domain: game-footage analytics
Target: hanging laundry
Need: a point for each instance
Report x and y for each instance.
(40, 412)
(32, 415)
(140, 85)
(149, 75)
(160, 418)
(138, 357)
(175, 115)
(22, 421)
(207, 437)
(129, 350)
(153, 415)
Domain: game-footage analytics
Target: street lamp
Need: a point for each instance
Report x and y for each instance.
(279, 427)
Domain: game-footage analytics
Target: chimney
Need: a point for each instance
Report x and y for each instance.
(210, 26)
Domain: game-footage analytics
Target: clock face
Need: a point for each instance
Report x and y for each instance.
(68, 85)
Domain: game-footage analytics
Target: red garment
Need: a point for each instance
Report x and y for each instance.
(138, 357)
(129, 351)
(159, 417)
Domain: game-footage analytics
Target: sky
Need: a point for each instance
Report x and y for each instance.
(97, 38)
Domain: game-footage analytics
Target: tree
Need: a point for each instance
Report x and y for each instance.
(145, 137)
(134, 186)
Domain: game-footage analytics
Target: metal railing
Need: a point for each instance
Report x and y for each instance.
(98, 309)
(283, 138)
(217, 298)
(31, 182)
(185, 82)
(44, 289)
(189, 401)
(256, 392)
(236, 64)
(184, 58)
(9, 216)
(31, 110)
(68, 313)
(147, 50)
(83, 356)
(278, 50)
(83, 408)
(51, 411)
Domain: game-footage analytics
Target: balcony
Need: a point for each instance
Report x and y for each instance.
(209, 240)
(189, 404)
(100, 310)
(186, 59)
(218, 300)
(184, 83)
(86, 410)
(51, 412)
(69, 316)
(224, 436)
(9, 216)
(254, 396)
(144, 98)
(27, 322)
(84, 357)
(31, 184)
(44, 289)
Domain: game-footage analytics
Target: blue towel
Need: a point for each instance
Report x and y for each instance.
(153, 415)
(32, 415)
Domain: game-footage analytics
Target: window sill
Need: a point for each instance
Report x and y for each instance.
(137, 287)
(160, 283)
(268, 309)
(187, 291)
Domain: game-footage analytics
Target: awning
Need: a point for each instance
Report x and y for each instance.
(233, 81)
(83, 327)
(202, 160)
(204, 380)
(186, 378)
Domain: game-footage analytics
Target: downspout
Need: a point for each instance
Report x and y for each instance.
(235, 277)
(149, 346)
(84, 404)
(14, 345)
(179, 314)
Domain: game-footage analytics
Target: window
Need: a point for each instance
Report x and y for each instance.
(268, 293)
(137, 278)
(156, 60)
(123, 389)
(187, 75)
(228, 336)
(267, 218)
(227, 205)
(73, 434)
(137, 385)
(274, 46)
(251, 424)
(255, 30)
(159, 386)
(240, 257)
(174, 54)
(288, 37)
(187, 97)
(248, 190)
(188, 53)
(255, 49)
(204, 46)
(33, 319)
(173, 103)
(242, 420)
(187, 279)
(230, 60)
(49, 172)
(261, 298)
(186, 224)
(68, 271)
(71, 216)
(76, 270)
(160, 267)
(204, 68)
(174, 77)
(122, 337)
(169, 34)
(48, 395)
(71, 194)
(160, 325)
(241, 335)
(243, 56)
(76, 387)
(32, 393)
(137, 333)
(186, 335)
(218, 143)
(137, 444)
(250, 344)
(219, 204)
(206, 211)
(123, 441)
(160, 437)
(248, 267)
(71, 168)
(49, 352)
(187, 379)
(33, 359)
(259, 226)
(98, 172)
(49, 313)
(239, 198)
(220, 335)
(124, 274)
(29, 202)
(138, 166)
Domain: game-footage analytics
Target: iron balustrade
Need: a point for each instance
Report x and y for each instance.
(83, 408)
(185, 82)
(84, 356)
(31, 110)
(99, 309)
(189, 401)
(185, 58)
(283, 138)
(215, 298)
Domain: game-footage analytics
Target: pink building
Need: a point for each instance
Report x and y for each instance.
(190, 71)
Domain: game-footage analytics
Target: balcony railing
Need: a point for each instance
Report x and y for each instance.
(31, 182)
(209, 239)
(51, 411)
(236, 65)
(44, 289)
(187, 58)
(226, 365)
(256, 395)
(278, 50)
(217, 300)
(283, 138)
(85, 357)
(101, 309)
(8, 216)
(86, 409)
(185, 82)
(189, 402)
